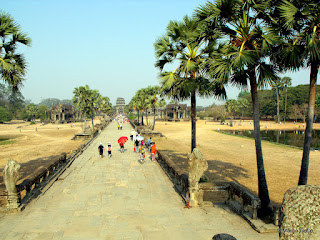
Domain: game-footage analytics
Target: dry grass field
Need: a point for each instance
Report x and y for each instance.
(28, 142)
(233, 158)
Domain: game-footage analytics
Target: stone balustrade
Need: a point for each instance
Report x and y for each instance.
(33, 184)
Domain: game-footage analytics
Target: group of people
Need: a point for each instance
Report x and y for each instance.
(101, 150)
(139, 146)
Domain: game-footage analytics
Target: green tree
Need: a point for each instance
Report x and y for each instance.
(244, 56)
(15, 101)
(302, 49)
(31, 111)
(87, 101)
(92, 104)
(183, 45)
(50, 102)
(4, 115)
(80, 101)
(42, 109)
(12, 64)
(232, 107)
(154, 100)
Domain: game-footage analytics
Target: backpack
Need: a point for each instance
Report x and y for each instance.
(109, 148)
(142, 151)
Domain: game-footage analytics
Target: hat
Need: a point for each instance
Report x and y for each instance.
(101, 144)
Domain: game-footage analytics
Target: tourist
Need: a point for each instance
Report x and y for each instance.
(136, 145)
(133, 133)
(109, 150)
(120, 126)
(153, 152)
(100, 149)
(121, 147)
(142, 154)
(148, 145)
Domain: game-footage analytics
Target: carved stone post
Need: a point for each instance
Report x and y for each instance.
(11, 176)
(197, 165)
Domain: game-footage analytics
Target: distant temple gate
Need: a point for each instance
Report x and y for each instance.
(120, 103)
(63, 113)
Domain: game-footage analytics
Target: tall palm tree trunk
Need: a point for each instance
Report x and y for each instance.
(285, 107)
(278, 107)
(262, 182)
(92, 121)
(147, 117)
(142, 118)
(303, 178)
(138, 117)
(154, 118)
(193, 120)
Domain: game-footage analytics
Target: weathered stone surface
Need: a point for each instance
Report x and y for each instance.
(197, 165)
(300, 213)
(11, 176)
(223, 236)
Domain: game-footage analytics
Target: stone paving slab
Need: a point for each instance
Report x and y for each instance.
(118, 198)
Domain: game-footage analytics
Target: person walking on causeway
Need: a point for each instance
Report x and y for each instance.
(142, 155)
(136, 145)
(109, 148)
(100, 149)
(121, 147)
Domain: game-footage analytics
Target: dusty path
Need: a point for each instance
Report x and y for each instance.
(118, 198)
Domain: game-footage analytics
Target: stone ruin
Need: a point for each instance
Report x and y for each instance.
(300, 213)
(11, 176)
(197, 165)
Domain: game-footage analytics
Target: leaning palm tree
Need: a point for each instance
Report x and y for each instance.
(244, 56)
(302, 49)
(12, 65)
(183, 45)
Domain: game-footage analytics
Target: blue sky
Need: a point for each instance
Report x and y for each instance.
(105, 44)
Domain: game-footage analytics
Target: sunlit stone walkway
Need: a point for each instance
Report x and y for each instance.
(118, 198)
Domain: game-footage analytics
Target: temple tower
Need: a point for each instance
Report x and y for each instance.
(120, 105)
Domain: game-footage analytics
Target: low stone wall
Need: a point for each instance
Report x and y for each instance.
(33, 185)
(178, 176)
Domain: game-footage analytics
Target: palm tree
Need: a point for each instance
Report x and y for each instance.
(105, 105)
(79, 100)
(243, 57)
(302, 49)
(286, 82)
(182, 44)
(277, 84)
(142, 101)
(12, 65)
(154, 99)
(232, 107)
(92, 102)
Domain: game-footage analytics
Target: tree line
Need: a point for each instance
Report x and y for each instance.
(292, 104)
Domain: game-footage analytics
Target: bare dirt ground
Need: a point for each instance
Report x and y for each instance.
(233, 158)
(27, 144)
(31, 145)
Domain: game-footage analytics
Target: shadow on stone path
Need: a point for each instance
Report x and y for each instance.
(118, 198)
